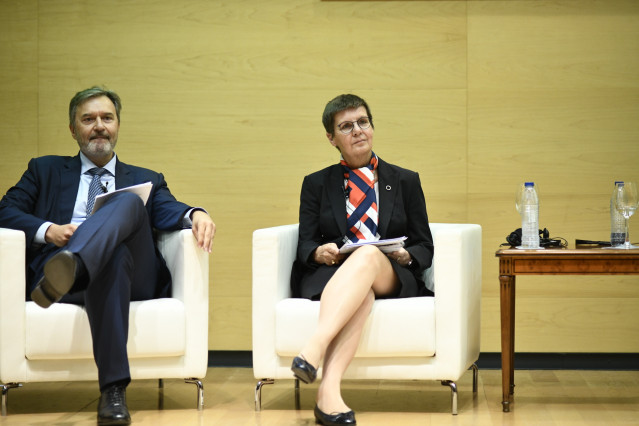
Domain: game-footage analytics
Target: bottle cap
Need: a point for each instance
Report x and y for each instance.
(529, 184)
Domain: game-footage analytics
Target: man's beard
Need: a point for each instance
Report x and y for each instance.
(95, 148)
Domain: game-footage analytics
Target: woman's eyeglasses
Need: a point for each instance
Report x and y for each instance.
(346, 127)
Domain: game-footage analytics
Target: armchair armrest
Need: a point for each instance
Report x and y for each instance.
(274, 250)
(189, 266)
(457, 277)
(12, 306)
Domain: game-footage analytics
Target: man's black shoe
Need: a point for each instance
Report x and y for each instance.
(60, 272)
(112, 408)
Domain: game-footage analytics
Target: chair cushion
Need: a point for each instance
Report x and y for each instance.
(396, 327)
(156, 328)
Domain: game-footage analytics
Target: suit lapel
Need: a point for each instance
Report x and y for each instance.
(388, 184)
(69, 184)
(335, 190)
(123, 177)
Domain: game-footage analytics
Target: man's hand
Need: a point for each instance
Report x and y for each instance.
(203, 229)
(59, 234)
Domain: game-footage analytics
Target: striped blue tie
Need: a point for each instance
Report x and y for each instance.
(95, 187)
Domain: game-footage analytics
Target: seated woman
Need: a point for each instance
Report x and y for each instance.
(338, 205)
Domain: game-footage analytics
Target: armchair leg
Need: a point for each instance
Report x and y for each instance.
(258, 392)
(5, 395)
(475, 374)
(453, 394)
(200, 391)
(160, 394)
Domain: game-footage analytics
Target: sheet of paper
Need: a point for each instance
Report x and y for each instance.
(386, 246)
(143, 190)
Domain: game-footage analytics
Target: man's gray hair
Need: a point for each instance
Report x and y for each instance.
(90, 93)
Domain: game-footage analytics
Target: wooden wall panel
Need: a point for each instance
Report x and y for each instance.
(550, 324)
(552, 44)
(553, 91)
(18, 88)
(225, 98)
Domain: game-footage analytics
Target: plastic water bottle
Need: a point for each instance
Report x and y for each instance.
(617, 221)
(529, 209)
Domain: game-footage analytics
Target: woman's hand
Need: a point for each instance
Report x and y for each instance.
(328, 254)
(401, 256)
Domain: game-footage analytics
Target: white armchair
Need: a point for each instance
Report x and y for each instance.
(168, 338)
(442, 349)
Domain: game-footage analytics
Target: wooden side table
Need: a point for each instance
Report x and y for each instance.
(559, 261)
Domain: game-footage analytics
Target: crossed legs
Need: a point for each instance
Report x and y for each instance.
(345, 304)
(116, 247)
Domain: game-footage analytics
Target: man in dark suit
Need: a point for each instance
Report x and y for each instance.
(104, 258)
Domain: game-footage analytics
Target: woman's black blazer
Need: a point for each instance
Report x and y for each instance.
(402, 212)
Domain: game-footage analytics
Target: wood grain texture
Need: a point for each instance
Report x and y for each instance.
(552, 98)
(18, 88)
(556, 324)
(553, 44)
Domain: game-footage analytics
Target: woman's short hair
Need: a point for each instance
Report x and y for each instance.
(341, 103)
(89, 93)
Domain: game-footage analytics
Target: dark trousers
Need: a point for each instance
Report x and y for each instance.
(117, 249)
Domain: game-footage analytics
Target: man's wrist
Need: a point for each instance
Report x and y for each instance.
(187, 220)
(41, 234)
(195, 209)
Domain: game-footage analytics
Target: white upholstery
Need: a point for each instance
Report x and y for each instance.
(168, 338)
(293, 317)
(424, 338)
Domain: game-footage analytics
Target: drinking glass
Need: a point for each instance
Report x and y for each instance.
(626, 203)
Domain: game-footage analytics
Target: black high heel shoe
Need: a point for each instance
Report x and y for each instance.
(347, 418)
(303, 370)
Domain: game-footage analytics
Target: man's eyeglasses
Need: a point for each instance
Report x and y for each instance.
(347, 126)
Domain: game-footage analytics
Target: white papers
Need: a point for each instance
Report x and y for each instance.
(142, 190)
(386, 246)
